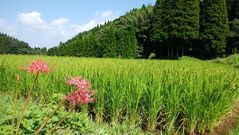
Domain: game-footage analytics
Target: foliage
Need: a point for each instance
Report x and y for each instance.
(174, 25)
(232, 60)
(187, 95)
(151, 56)
(170, 29)
(235, 27)
(156, 30)
(125, 37)
(186, 58)
(214, 26)
(181, 19)
(10, 45)
(76, 123)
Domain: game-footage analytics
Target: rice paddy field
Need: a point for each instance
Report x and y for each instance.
(186, 96)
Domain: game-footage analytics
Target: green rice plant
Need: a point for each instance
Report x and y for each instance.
(170, 96)
(191, 99)
(218, 97)
(100, 104)
(133, 98)
(153, 100)
(116, 96)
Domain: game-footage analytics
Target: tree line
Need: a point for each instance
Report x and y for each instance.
(124, 38)
(11, 45)
(169, 29)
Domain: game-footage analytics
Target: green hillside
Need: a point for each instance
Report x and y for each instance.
(168, 29)
(11, 45)
(124, 37)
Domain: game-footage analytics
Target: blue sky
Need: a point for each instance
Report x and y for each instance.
(44, 23)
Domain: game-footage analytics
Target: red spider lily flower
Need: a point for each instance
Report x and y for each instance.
(73, 98)
(38, 66)
(80, 97)
(79, 83)
(86, 97)
(17, 77)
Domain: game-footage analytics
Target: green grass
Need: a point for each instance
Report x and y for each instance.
(185, 95)
(75, 123)
(232, 60)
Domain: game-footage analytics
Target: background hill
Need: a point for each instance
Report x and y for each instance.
(195, 31)
(11, 45)
(123, 37)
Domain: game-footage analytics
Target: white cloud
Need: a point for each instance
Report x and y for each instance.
(39, 32)
(85, 27)
(100, 17)
(58, 26)
(105, 15)
(33, 20)
(60, 21)
(6, 27)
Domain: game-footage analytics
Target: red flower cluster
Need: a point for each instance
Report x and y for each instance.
(79, 83)
(38, 66)
(82, 95)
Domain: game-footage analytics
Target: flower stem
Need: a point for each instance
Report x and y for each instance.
(14, 106)
(26, 102)
(62, 119)
(48, 117)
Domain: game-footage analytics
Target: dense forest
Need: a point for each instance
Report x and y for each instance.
(170, 29)
(10, 45)
(126, 37)
(113, 39)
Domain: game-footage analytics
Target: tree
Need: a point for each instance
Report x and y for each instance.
(131, 42)
(156, 32)
(233, 38)
(108, 43)
(121, 44)
(170, 29)
(12, 45)
(176, 23)
(214, 26)
(143, 32)
(52, 51)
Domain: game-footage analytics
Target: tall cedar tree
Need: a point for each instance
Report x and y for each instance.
(156, 22)
(158, 33)
(163, 30)
(108, 43)
(214, 26)
(142, 32)
(177, 22)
